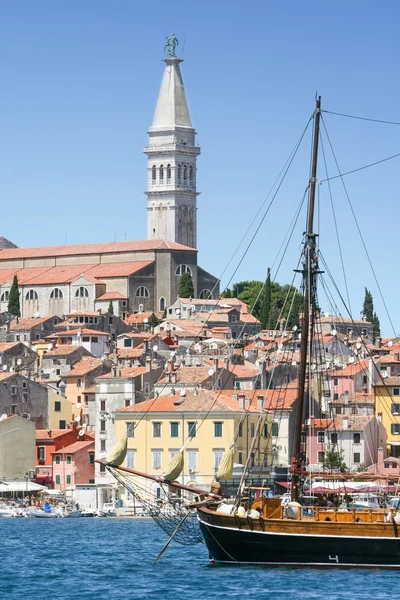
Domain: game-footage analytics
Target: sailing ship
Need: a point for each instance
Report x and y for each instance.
(260, 530)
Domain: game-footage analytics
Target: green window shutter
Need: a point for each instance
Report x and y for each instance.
(58, 479)
(275, 429)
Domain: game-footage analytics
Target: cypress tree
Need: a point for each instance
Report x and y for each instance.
(266, 302)
(377, 326)
(186, 287)
(13, 300)
(111, 308)
(153, 321)
(368, 306)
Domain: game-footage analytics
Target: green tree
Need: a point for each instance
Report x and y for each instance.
(13, 300)
(265, 302)
(111, 308)
(186, 287)
(333, 460)
(377, 326)
(368, 306)
(153, 321)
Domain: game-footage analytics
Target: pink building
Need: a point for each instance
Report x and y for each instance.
(74, 465)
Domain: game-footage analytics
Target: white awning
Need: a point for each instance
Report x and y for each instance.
(20, 486)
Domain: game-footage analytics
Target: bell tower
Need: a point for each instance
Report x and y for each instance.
(172, 154)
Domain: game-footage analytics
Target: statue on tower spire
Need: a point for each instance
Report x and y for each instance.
(172, 43)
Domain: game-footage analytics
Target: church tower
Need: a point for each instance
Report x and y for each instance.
(172, 153)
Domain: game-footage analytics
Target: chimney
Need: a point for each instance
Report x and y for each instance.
(378, 342)
(145, 345)
(148, 365)
(114, 372)
(260, 402)
(226, 362)
(215, 361)
(242, 398)
(173, 377)
(345, 422)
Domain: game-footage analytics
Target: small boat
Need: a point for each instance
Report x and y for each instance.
(7, 511)
(109, 509)
(39, 513)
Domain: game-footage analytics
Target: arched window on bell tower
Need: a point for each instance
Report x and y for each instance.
(184, 173)
(154, 173)
(168, 173)
(191, 175)
(161, 173)
(179, 173)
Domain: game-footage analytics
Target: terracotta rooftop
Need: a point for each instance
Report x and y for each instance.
(83, 331)
(62, 350)
(190, 375)
(389, 381)
(101, 248)
(350, 370)
(83, 367)
(75, 447)
(43, 434)
(125, 373)
(112, 296)
(8, 345)
(200, 402)
(131, 352)
(26, 324)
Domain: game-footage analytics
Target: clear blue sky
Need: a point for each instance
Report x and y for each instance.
(79, 84)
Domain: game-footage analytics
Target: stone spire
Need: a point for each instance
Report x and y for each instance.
(172, 153)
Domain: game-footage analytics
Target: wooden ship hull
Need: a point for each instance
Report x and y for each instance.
(366, 541)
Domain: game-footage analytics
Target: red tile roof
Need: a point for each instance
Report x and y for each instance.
(122, 269)
(112, 296)
(125, 373)
(62, 350)
(76, 447)
(101, 248)
(190, 375)
(74, 332)
(83, 367)
(26, 324)
(42, 434)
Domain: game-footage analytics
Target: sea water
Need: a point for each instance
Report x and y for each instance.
(112, 558)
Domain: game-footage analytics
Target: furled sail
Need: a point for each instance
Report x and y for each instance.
(225, 469)
(174, 469)
(118, 453)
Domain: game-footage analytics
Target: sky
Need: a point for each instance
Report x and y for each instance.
(79, 85)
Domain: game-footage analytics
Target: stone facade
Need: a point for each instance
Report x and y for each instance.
(19, 395)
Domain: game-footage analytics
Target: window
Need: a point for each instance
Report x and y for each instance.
(57, 406)
(56, 294)
(130, 429)
(156, 459)
(58, 479)
(41, 453)
(81, 292)
(91, 459)
(147, 387)
(102, 445)
(335, 381)
(25, 398)
(102, 426)
(333, 438)
(218, 428)
(184, 173)
(365, 379)
(265, 430)
(156, 429)
(395, 428)
(217, 457)
(252, 429)
(191, 429)
(321, 456)
(354, 410)
(69, 459)
(154, 173)
(168, 173)
(192, 459)
(183, 269)
(94, 339)
(58, 459)
(240, 457)
(356, 458)
(356, 438)
(174, 425)
(62, 424)
(102, 405)
(79, 382)
(338, 410)
(92, 481)
(142, 292)
(275, 429)
(386, 465)
(68, 479)
(31, 295)
(396, 391)
(5, 296)
(240, 432)
(161, 173)
(191, 174)
(179, 173)
(336, 396)
(13, 408)
(127, 343)
(130, 458)
(205, 294)
(162, 304)
(321, 437)
(395, 409)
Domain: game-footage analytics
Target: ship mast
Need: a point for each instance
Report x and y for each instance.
(309, 271)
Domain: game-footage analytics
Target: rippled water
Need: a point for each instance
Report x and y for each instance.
(112, 558)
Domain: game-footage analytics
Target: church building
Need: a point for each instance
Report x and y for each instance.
(140, 275)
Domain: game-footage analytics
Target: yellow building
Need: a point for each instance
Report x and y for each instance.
(205, 421)
(387, 408)
(60, 410)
